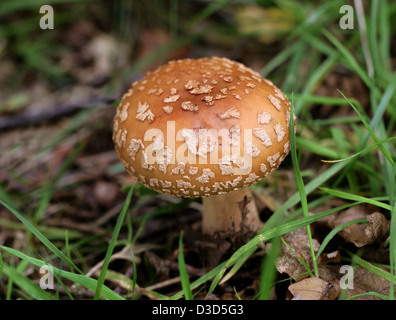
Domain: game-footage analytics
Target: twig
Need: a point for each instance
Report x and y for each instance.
(38, 117)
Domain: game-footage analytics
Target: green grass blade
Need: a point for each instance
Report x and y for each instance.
(134, 275)
(371, 131)
(1, 265)
(393, 139)
(41, 237)
(83, 280)
(351, 61)
(315, 79)
(370, 293)
(278, 60)
(299, 258)
(372, 268)
(392, 249)
(112, 244)
(376, 120)
(268, 270)
(300, 185)
(185, 281)
(316, 148)
(32, 289)
(354, 197)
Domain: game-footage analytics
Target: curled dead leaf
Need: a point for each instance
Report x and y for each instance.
(364, 234)
(360, 234)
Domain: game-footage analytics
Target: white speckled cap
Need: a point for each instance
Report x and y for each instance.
(199, 127)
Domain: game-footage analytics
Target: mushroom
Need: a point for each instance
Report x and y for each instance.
(209, 128)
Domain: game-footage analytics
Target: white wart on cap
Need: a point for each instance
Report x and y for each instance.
(217, 126)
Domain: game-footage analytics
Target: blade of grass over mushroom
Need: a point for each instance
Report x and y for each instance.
(353, 197)
(112, 243)
(184, 278)
(85, 281)
(41, 237)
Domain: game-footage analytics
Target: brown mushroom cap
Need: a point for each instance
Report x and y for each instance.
(199, 127)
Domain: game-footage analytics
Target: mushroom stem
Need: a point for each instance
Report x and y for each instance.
(229, 213)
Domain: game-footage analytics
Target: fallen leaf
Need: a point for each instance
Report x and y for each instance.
(366, 281)
(289, 262)
(376, 229)
(310, 289)
(360, 234)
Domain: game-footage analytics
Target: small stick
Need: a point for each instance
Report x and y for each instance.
(38, 117)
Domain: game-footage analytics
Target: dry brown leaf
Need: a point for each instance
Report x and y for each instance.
(360, 234)
(288, 261)
(310, 289)
(355, 212)
(376, 229)
(366, 281)
(331, 274)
